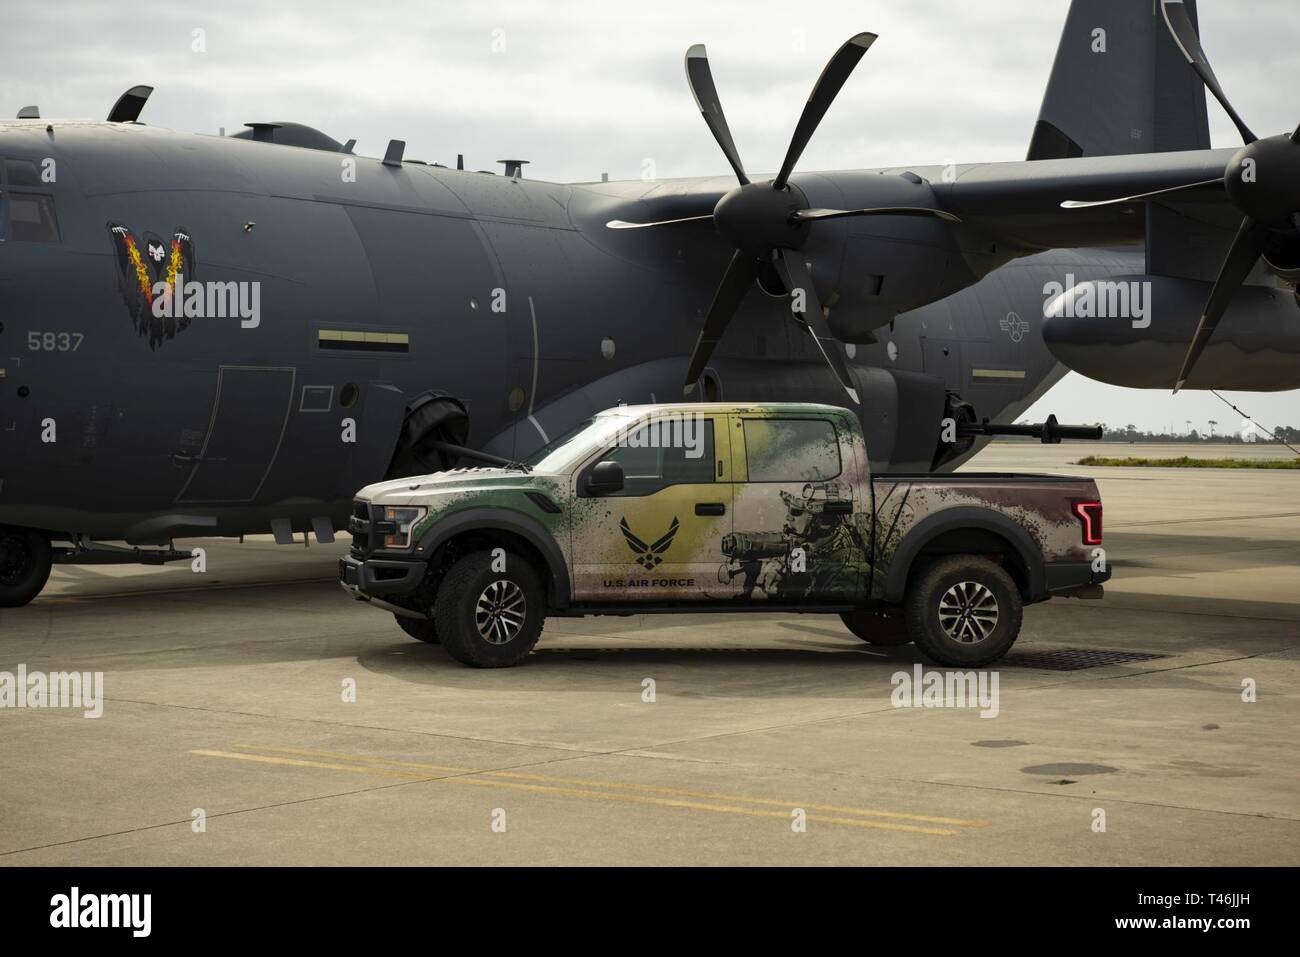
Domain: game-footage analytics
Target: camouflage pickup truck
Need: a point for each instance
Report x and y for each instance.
(727, 508)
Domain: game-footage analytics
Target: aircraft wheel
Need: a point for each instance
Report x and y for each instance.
(25, 560)
(964, 611)
(488, 618)
(877, 626)
(422, 629)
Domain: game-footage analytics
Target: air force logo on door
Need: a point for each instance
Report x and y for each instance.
(648, 556)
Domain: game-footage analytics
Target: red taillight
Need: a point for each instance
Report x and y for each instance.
(1089, 516)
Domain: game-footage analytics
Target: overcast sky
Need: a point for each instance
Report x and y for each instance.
(581, 87)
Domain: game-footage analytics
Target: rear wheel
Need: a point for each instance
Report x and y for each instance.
(878, 626)
(25, 560)
(486, 616)
(422, 629)
(963, 611)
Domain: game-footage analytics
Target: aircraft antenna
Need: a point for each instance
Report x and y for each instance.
(1257, 425)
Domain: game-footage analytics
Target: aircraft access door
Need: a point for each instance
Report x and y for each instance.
(249, 413)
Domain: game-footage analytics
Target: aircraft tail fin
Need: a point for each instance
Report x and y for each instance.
(1119, 85)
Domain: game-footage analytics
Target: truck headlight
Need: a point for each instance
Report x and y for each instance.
(398, 523)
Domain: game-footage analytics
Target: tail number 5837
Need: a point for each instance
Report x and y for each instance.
(54, 341)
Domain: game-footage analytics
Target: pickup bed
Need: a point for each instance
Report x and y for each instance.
(707, 507)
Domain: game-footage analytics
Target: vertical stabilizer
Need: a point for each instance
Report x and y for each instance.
(1119, 85)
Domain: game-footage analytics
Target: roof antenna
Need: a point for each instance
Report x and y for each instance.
(514, 168)
(393, 157)
(263, 132)
(347, 147)
(129, 105)
(460, 161)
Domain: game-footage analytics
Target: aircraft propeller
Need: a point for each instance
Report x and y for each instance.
(1262, 180)
(768, 222)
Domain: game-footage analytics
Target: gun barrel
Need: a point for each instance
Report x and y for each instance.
(1050, 431)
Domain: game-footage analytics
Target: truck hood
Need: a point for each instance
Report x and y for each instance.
(418, 489)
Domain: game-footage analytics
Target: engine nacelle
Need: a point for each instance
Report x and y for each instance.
(1133, 331)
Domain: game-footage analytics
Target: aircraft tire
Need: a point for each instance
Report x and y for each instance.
(877, 627)
(963, 611)
(25, 560)
(422, 629)
(488, 618)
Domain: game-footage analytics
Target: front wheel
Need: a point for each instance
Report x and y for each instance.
(489, 612)
(964, 611)
(25, 561)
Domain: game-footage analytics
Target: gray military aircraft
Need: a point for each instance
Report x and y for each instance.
(227, 335)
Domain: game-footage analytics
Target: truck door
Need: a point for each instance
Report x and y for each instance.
(801, 534)
(661, 538)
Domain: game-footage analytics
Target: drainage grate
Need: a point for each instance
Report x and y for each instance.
(1075, 659)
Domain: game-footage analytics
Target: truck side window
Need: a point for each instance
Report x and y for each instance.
(654, 457)
(791, 450)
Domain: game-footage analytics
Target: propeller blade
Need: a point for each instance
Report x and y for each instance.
(740, 275)
(1085, 204)
(824, 91)
(623, 224)
(802, 214)
(129, 105)
(1184, 34)
(797, 278)
(1242, 256)
(700, 79)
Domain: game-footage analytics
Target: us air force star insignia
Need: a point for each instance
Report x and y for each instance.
(1013, 326)
(648, 556)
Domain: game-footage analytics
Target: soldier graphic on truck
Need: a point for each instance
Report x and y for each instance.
(821, 548)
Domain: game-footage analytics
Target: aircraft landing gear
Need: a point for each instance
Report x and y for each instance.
(25, 560)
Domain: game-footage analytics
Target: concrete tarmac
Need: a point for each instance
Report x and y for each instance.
(229, 734)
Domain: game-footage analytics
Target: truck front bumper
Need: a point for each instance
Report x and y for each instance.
(1075, 580)
(372, 578)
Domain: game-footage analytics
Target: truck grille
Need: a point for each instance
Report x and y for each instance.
(359, 525)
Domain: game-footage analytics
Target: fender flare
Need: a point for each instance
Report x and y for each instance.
(955, 519)
(506, 520)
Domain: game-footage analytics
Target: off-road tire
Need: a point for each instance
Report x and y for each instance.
(457, 605)
(878, 626)
(25, 560)
(421, 629)
(922, 611)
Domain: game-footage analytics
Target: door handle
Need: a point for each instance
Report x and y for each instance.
(839, 508)
(710, 508)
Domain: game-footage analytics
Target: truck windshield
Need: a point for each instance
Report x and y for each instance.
(586, 435)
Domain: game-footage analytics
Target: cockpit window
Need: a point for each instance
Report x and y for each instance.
(20, 172)
(29, 217)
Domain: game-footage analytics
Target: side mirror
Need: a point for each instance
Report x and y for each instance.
(604, 478)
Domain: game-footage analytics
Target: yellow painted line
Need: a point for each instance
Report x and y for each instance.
(698, 806)
(208, 753)
(998, 373)
(654, 789)
(575, 792)
(587, 782)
